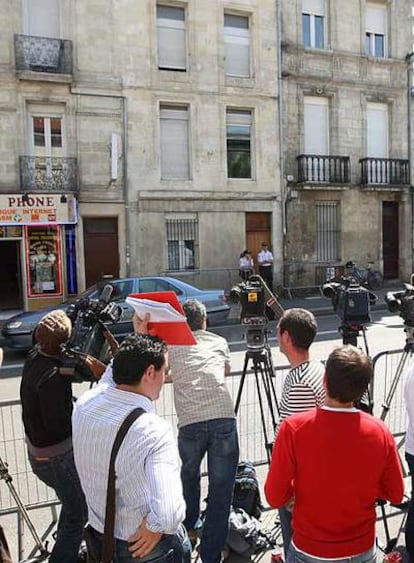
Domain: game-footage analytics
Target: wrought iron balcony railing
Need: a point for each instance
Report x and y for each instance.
(385, 171)
(43, 54)
(48, 174)
(323, 169)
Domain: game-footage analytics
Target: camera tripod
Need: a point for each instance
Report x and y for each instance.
(39, 545)
(264, 379)
(408, 351)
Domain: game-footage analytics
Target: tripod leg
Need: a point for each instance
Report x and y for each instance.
(241, 384)
(258, 369)
(394, 385)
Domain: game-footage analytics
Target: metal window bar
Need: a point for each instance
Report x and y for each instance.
(182, 243)
(327, 230)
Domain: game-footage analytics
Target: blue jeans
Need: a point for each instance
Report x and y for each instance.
(409, 526)
(295, 556)
(285, 517)
(60, 474)
(218, 438)
(170, 549)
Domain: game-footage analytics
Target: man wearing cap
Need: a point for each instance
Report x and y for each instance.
(47, 402)
(265, 261)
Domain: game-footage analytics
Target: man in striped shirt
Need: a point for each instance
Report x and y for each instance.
(303, 387)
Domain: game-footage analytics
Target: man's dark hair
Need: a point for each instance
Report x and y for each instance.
(196, 313)
(301, 326)
(348, 373)
(136, 353)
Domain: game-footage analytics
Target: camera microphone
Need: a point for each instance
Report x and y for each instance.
(105, 295)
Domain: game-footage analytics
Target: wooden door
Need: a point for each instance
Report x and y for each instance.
(258, 230)
(390, 240)
(101, 249)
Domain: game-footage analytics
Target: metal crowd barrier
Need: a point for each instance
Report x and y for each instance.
(35, 495)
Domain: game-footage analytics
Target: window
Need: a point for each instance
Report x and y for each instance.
(174, 142)
(239, 125)
(172, 50)
(313, 23)
(44, 260)
(327, 230)
(375, 26)
(182, 241)
(316, 117)
(47, 135)
(237, 45)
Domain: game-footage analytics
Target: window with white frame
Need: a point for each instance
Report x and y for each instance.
(239, 133)
(182, 241)
(171, 36)
(313, 24)
(237, 45)
(375, 30)
(174, 122)
(327, 230)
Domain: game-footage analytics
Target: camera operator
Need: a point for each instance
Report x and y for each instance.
(47, 402)
(303, 387)
(335, 461)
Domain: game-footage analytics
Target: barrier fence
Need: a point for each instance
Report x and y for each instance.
(36, 495)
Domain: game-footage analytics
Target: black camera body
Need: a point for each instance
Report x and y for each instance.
(351, 302)
(403, 303)
(250, 294)
(88, 317)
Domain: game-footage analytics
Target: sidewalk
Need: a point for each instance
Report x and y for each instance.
(320, 305)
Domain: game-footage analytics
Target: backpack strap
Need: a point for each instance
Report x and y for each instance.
(108, 544)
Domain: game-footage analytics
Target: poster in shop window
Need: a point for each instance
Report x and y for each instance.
(44, 260)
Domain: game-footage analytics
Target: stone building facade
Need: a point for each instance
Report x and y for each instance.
(136, 138)
(346, 134)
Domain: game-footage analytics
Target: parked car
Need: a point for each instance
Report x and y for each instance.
(18, 329)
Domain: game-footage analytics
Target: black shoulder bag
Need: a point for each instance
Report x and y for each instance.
(102, 550)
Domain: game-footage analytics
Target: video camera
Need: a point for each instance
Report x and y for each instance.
(351, 302)
(403, 303)
(250, 295)
(88, 317)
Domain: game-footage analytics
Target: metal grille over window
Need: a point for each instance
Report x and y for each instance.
(327, 230)
(182, 243)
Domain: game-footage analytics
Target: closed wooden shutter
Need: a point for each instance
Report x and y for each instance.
(174, 142)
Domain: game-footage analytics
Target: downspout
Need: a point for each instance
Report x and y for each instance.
(280, 126)
(124, 168)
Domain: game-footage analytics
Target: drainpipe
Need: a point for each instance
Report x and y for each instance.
(408, 59)
(280, 124)
(124, 168)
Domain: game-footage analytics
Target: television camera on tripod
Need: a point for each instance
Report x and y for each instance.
(251, 296)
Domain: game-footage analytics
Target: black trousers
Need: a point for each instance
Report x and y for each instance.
(267, 274)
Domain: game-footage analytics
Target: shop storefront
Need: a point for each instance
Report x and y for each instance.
(38, 243)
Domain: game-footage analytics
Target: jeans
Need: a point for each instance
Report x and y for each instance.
(170, 549)
(409, 526)
(218, 438)
(295, 556)
(285, 517)
(60, 474)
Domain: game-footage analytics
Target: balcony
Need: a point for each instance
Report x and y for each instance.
(43, 54)
(385, 171)
(322, 169)
(48, 174)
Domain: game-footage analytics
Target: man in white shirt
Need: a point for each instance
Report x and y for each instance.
(148, 485)
(265, 261)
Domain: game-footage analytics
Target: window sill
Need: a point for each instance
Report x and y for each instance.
(240, 82)
(318, 51)
(44, 76)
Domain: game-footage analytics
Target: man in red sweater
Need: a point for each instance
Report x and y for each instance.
(335, 461)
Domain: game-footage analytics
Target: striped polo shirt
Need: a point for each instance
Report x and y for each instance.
(302, 390)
